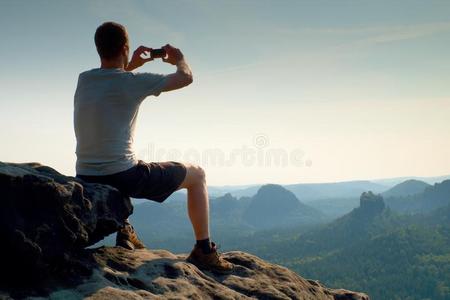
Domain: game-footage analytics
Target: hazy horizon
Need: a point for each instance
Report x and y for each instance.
(283, 93)
(428, 179)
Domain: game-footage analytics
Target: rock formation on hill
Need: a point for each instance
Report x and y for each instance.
(371, 203)
(48, 219)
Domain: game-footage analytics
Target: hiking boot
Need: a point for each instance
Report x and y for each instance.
(210, 261)
(127, 238)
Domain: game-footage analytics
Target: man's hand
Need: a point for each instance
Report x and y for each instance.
(174, 55)
(137, 60)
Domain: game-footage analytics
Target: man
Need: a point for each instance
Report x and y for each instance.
(106, 105)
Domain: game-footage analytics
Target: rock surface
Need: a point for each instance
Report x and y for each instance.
(47, 219)
(158, 274)
(45, 216)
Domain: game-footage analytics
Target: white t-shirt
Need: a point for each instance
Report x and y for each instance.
(106, 105)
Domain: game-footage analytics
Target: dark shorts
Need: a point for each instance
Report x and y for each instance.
(154, 181)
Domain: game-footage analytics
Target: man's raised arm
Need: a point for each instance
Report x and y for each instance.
(183, 76)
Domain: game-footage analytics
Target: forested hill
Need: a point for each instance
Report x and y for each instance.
(433, 197)
(406, 188)
(373, 248)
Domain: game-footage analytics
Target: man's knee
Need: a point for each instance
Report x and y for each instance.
(194, 175)
(198, 173)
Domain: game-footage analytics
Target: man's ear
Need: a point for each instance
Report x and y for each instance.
(126, 54)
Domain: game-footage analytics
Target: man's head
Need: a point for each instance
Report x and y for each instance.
(111, 40)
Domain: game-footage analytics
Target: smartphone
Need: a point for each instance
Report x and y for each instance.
(158, 53)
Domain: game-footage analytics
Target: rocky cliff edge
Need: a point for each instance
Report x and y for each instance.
(47, 220)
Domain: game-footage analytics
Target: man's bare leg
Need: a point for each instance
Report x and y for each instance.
(204, 255)
(197, 203)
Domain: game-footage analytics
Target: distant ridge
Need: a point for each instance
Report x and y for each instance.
(396, 180)
(406, 188)
(314, 191)
(325, 190)
(433, 197)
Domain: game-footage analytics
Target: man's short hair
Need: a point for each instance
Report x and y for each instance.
(110, 37)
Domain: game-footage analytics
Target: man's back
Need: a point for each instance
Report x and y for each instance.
(106, 106)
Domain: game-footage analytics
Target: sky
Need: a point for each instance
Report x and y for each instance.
(283, 91)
